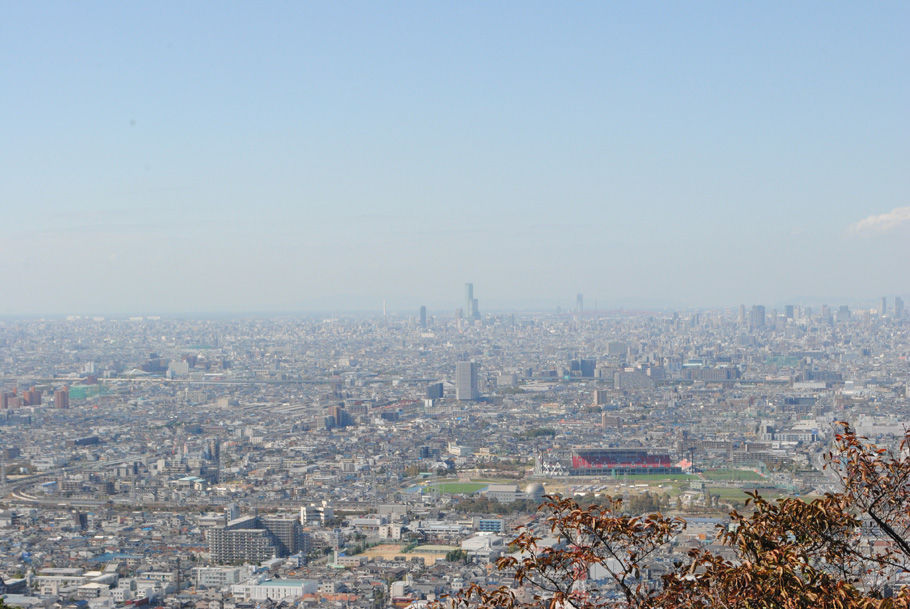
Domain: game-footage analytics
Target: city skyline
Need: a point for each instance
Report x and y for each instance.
(423, 313)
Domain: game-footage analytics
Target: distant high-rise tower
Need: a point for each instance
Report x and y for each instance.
(471, 310)
(843, 313)
(423, 317)
(757, 317)
(883, 307)
(466, 381)
(580, 303)
(214, 449)
(898, 307)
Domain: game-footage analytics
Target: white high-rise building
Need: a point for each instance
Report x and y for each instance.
(466, 381)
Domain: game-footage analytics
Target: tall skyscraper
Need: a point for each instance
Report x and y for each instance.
(580, 303)
(466, 381)
(898, 307)
(471, 310)
(883, 307)
(757, 317)
(423, 317)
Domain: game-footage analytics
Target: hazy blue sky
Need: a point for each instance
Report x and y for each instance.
(218, 156)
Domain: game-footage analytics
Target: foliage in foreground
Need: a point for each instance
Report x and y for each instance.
(845, 550)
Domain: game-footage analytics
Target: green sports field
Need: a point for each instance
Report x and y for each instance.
(731, 474)
(632, 478)
(457, 488)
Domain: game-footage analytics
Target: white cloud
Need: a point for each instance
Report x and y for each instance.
(882, 223)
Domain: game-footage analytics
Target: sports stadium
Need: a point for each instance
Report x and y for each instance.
(592, 461)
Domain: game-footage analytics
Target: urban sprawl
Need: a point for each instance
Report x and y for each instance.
(387, 460)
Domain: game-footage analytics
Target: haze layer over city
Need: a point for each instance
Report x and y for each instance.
(313, 305)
